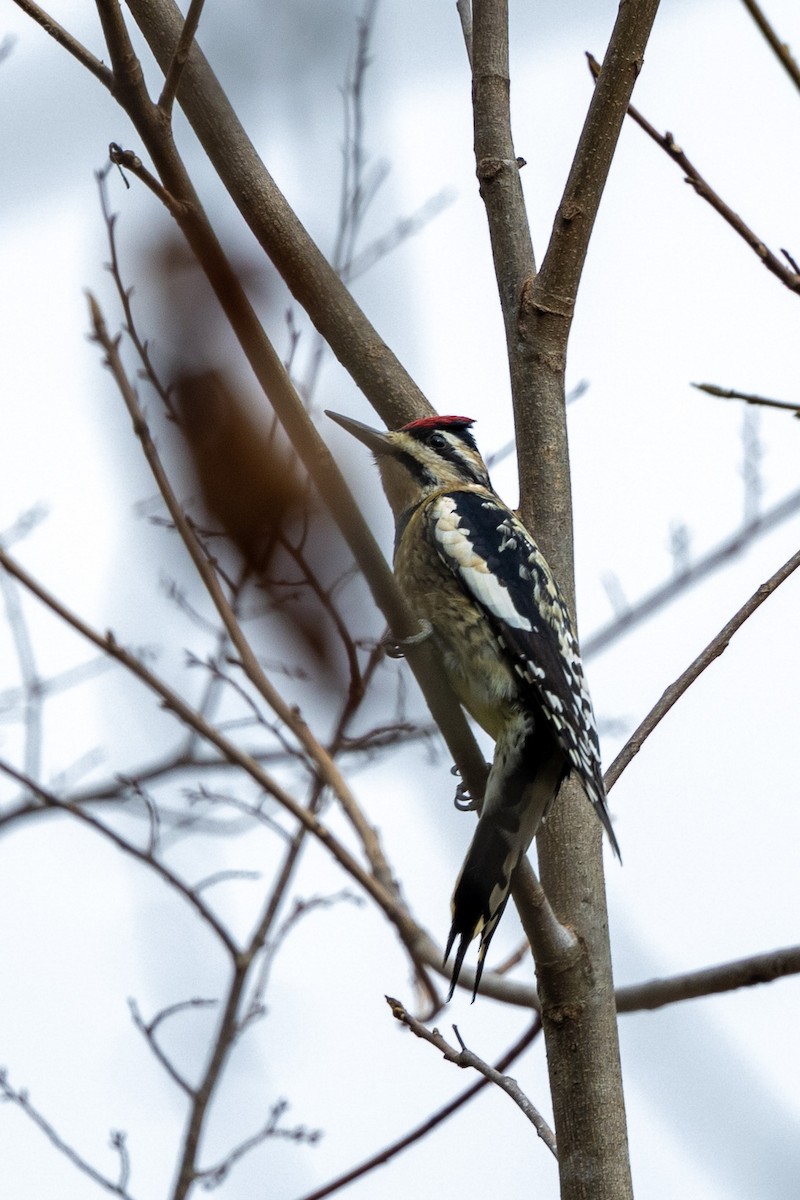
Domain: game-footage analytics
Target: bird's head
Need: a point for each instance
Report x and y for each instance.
(426, 456)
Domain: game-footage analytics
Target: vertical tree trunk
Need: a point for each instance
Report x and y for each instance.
(578, 1009)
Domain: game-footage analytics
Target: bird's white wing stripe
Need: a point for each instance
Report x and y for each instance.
(457, 548)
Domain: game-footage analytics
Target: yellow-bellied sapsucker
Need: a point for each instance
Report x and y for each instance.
(468, 566)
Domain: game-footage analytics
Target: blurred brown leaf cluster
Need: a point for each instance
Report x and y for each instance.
(249, 479)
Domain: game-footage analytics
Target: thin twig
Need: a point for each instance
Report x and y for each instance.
(212, 1177)
(300, 910)
(749, 398)
(148, 1032)
(32, 684)
(125, 295)
(175, 69)
(126, 160)
(65, 39)
(128, 76)
(48, 798)
(780, 49)
(189, 717)
(403, 229)
(713, 650)
(789, 277)
(250, 663)
(118, 1187)
(420, 1131)
(718, 557)
(466, 1058)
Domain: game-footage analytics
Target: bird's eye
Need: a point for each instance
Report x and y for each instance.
(437, 441)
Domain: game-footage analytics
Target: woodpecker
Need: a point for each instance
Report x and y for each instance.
(468, 566)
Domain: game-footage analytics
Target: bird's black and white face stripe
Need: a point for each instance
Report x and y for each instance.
(434, 454)
(439, 452)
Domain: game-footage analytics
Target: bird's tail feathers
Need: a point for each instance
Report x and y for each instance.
(480, 896)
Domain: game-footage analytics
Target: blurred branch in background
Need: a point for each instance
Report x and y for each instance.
(117, 1186)
(722, 554)
(359, 186)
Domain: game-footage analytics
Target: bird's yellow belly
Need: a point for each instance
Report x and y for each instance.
(475, 664)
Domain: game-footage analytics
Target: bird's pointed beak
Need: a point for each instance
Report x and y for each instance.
(375, 439)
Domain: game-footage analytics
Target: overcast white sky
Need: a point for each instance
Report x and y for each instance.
(708, 814)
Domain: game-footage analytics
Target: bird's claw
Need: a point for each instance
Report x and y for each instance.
(462, 799)
(396, 647)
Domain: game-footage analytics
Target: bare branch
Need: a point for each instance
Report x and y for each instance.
(550, 939)
(718, 557)
(780, 49)
(420, 1131)
(403, 229)
(65, 39)
(24, 525)
(212, 1177)
(175, 69)
(144, 856)
(466, 1058)
(498, 167)
(21, 1099)
(148, 1032)
(300, 910)
(174, 703)
(312, 281)
(32, 684)
(731, 394)
(125, 294)
(789, 277)
(713, 650)
(744, 972)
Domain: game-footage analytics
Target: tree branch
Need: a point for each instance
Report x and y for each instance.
(309, 277)
(711, 389)
(118, 1187)
(466, 1058)
(498, 168)
(176, 67)
(789, 277)
(420, 1131)
(174, 703)
(713, 650)
(779, 48)
(717, 557)
(69, 43)
(727, 977)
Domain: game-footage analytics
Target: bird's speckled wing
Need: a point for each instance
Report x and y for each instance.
(502, 569)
